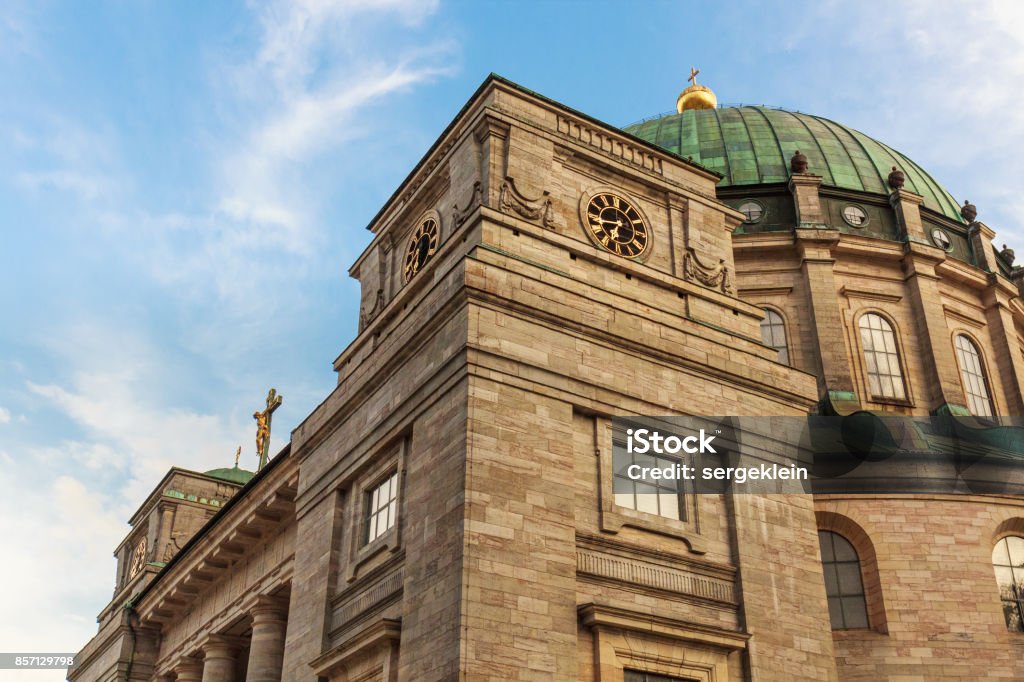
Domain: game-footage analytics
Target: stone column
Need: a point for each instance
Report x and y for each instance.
(219, 659)
(266, 655)
(189, 670)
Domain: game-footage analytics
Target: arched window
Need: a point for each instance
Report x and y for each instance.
(885, 378)
(1008, 562)
(972, 373)
(847, 606)
(773, 333)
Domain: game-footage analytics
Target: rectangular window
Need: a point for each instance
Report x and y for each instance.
(381, 508)
(663, 497)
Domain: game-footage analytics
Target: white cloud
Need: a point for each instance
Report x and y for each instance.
(88, 186)
(939, 82)
(59, 537)
(123, 401)
(310, 85)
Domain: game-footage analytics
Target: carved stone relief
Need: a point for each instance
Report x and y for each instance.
(714, 276)
(511, 201)
(459, 216)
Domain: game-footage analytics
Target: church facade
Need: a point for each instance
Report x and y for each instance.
(449, 511)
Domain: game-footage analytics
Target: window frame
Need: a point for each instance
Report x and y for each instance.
(613, 518)
(363, 554)
(772, 310)
(858, 226)
(760, 217)
(985, 375)
(1018, 598)
(373, 510)
(840, 595)
(907, 399)
(679, 490)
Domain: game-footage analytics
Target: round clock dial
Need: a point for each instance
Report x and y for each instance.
(617, 225)
(138, 558)
(422, 246)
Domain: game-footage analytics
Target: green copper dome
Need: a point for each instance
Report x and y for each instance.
(232, 475)
(753, 145)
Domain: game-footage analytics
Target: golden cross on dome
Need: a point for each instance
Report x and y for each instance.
(693, 75)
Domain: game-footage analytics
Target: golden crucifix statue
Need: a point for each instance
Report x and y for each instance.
(693, 75)
(263, 427)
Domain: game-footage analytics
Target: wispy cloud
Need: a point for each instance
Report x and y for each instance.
(938, 82)
(87, 186)
(126, 392)
(311, 85)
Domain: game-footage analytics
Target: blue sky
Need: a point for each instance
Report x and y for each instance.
(184, 185)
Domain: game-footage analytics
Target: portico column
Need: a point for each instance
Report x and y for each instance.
(219, 659)
(189, 670)
(266, 655)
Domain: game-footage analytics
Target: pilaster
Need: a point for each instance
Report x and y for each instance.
(835, 382)
(163, 550)
(942, 371)
(492, 136)
(907, 206)
(981, 243)
(804, 187)
(1009, 356)
(315, 571)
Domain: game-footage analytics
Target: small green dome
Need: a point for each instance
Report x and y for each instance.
(232, 475)
(753, 145)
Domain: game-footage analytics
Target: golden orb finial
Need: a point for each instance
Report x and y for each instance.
(696, 96)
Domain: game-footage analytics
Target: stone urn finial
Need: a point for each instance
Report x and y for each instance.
(897, 178)
(1008, 255)
(798, 164)
(969, 211)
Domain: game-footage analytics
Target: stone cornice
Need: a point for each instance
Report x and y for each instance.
(263, 511)
(600, 616)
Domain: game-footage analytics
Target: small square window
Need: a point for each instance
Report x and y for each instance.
(381, 508)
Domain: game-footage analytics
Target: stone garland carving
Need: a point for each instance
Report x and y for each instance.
(715, 277)
(366, 315)
(511, 201)
(459, 217)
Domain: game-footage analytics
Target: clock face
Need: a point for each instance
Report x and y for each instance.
(617, 225)
(422, 246)
(138, 558)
